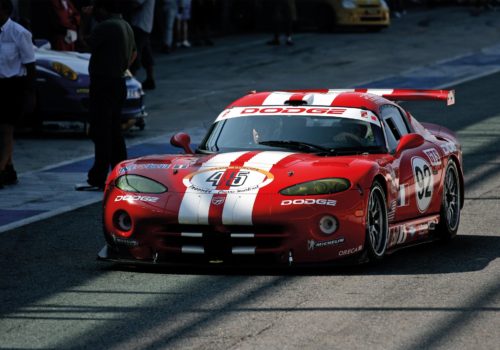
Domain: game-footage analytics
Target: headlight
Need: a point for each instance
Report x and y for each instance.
(348, 4)
(139, 184)
(64, 70)
(323, 186)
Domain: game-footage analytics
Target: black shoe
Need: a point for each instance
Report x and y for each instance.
(289, 42)
(149, 84)
(9, 175)
(87, 187)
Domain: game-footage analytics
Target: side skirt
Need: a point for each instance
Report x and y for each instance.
(416, 231)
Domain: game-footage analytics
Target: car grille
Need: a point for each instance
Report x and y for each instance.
(223, 242)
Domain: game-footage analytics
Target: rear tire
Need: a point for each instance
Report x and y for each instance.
(449, 216)
(377, 226)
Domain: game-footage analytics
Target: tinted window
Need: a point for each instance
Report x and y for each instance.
(394, 124)
(246, 133)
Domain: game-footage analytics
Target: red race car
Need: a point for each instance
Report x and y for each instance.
(291, 177)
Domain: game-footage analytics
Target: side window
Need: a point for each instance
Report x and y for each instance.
(394, 125)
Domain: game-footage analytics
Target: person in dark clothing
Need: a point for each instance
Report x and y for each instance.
(113, 50)
(17, 77)
(203, 12)
(142, 25)
(284, 14)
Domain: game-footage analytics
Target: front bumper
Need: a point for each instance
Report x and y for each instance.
(279, 235)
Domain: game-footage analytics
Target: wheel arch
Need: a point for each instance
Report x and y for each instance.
(454, 158)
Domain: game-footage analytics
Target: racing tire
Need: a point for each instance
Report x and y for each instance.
(377, 224)
(449, 215)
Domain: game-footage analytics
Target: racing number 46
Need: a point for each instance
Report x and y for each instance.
(232, 179)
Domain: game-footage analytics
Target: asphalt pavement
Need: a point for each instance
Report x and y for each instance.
(55, 295)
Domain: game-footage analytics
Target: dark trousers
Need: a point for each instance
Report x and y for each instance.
(12, 95)
(144, 51)
(107, 96)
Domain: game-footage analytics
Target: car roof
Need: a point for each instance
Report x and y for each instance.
(369, 99)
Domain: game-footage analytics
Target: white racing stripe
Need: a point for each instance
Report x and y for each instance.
(238, 208)
(380, 92)
(195, 203)
(277, 98)
(321, 99)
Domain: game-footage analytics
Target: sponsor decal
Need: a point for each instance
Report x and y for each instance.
(400, 234)
(309, 201)
(433, 155)
(448, 147)
(153, 166)
(233, 179)
(218, 200)
(312, 244)
(350, 113)
(290, 110)
(424, 182)
(133, 198)
(350, 251)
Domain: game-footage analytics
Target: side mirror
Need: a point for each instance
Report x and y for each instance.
(407, 142)
(182, 140)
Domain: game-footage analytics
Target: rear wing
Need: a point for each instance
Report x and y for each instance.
(407, 94)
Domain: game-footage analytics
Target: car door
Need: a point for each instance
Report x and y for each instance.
(417, 170)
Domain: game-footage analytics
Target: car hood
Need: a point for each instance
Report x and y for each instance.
(244, 172)
(79, 62)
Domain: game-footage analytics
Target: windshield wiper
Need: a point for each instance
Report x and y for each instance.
(297, 145)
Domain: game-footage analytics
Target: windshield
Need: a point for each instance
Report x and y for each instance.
(315, 134)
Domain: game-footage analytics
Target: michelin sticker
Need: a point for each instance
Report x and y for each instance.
(424, 182)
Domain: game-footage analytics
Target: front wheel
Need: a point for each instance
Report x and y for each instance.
(449, 216)
(377, 227)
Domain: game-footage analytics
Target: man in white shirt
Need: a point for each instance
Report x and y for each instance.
(17, 76)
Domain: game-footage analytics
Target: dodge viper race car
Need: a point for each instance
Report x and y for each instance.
(62, 88)
(291, 177)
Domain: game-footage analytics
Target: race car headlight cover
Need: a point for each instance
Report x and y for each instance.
(64, 70)
(139, 184)
(317, 187)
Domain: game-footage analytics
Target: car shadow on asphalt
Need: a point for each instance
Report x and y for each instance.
(465, 253)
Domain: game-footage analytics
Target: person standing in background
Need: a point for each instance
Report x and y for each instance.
(284, 14)
(65, 25)
(113, 50)
(142, 24)
(183, 18)
(203, 12)
(170, 10)
(17, 77)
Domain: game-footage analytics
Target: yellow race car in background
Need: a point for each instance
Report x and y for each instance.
(329, 14)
